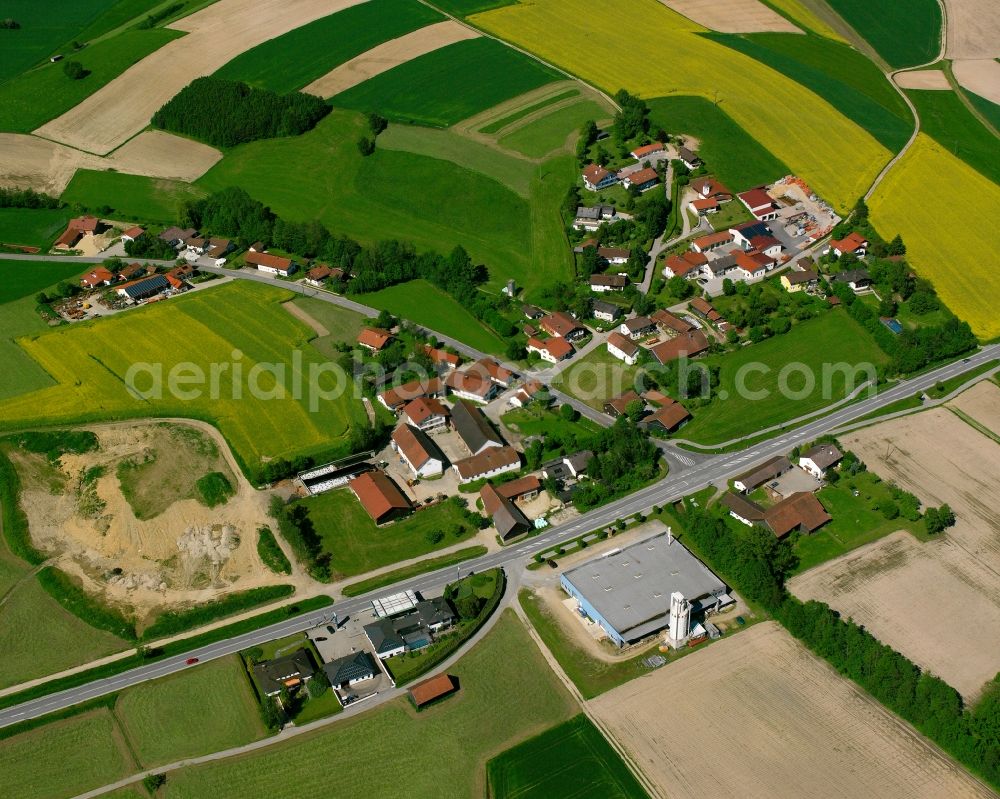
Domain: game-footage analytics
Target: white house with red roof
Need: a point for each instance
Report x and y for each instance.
(623, 348)
(596, 177)
(759, 203)
(553, 349)
(853, 243)
(132, 233)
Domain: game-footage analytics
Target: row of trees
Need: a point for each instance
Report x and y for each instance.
(149, 246)
(26, 198)
(228, 112)
(756, 564)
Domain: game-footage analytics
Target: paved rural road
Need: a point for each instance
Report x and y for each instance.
(673, 487)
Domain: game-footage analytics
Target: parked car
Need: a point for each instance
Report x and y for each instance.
(320, 638)
(331, 629)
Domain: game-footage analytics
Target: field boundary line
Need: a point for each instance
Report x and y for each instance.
(521, 50)
(634, 767)
(979, 427)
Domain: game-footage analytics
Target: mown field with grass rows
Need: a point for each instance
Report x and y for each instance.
(904, 34)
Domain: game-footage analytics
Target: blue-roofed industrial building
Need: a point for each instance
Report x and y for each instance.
(627, 591)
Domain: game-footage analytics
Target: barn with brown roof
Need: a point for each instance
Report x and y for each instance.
(379, 496)
(433, 689)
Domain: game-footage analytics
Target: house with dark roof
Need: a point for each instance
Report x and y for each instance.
(857, 279)
(144, 289)
(762, 473)
(820, 458)
(350, 669)
(617, 406)
(289, 671)
(688, 157)
(667, 321)
(623, 348)
(637, 327)
(474, 428)
(379, 496)
(794, 281)
(411, 630)
(602, 283)
(508, 519)
(592, 218)
(606, 311)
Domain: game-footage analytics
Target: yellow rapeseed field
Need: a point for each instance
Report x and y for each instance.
(806, 18)
(942, 207)
(90, 363)
(644, 47)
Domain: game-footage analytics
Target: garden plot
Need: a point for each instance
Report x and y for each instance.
(388, 55)
(938, 602)
(735, 16)
(114, 114)
(757, 715)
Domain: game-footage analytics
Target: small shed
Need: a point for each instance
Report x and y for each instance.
(433, 689)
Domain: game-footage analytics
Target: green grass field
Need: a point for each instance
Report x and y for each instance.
(499, 124)
(406, 572)
(135, 197)
(904, 34)
(730, 214)
(856, 520)
(21, 373)
(390, 194)
(989, 109)
(120, 14)
(27, 278)
(512, 170)
(64, 758)
(597, 377)
(65, 641)
(839, 74)
(945, 119)
(200, 710)
(425, 304)
(33, 98)
(465, 8)
(551, 132)
(449, 84)
(572, 760)
(343, 325)
(35, 227)
(505, 670)
(832, 338)
(44, 29)
(357, 546)
(729, 152)
(299, 57)
(90, 365)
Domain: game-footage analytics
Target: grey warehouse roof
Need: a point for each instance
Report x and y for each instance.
(631, 588)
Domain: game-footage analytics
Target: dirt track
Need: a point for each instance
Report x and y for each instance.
(756, 715)
(216, 35)
(936, 602)
(388, 55)
(733, 16)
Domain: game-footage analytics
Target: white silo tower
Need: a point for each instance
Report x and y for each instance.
(680, 620)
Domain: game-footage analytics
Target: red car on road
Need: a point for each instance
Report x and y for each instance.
(191, 661)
